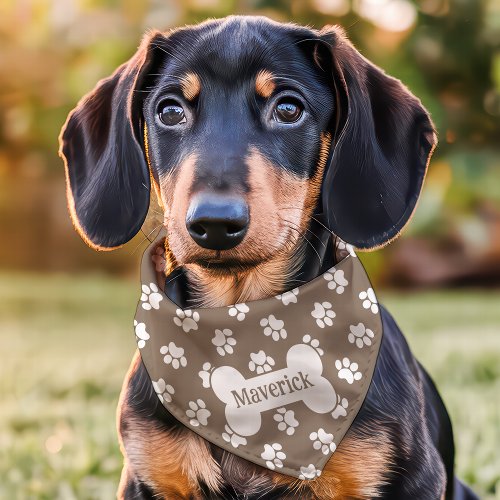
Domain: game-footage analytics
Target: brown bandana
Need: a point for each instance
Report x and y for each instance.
(276, 381)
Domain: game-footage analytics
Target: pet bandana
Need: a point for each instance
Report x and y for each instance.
(276, 381)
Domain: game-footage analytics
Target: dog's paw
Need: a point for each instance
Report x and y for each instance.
(347, 370)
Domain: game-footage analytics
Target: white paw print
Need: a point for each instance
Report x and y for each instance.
(309, 472)
(341, 409)
(360, 335)
(150, 297)
(260, 362)
(239, 310)
(273, 455)
(347, 370)
(187, 319)
(163, 390)
(173, 355)
(336, 280)
(231, 437)
(223, 341)
(204, 374)
(286, 420)
(273, 327)
(198, 413)
(288, 297)
(313, 343)
(346, 247)
(323, 441)
(369, 300)
(323, 314)
(141, 335)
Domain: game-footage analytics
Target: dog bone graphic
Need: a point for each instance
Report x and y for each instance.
(246, 399)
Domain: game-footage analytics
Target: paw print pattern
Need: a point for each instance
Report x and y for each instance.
(313, 343)
(163, 390)
(323, 441)
(173, 355)
(341, 409)
(347, 370)
(198, 413)
(141, 335)
(286, 420)
(369, 300)
(239, 310)
(309, 472)
(260, 362)
(231, 437)
(273, 327)
(288, 297)
(187, 319)
(150, 297)
(346, 248)
(204, 374)
(360, 335)
(273, 456)
(323, 314)
(336, 280)
(224, 341)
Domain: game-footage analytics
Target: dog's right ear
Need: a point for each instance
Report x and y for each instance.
(101, 144)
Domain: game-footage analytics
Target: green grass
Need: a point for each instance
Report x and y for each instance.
(66, 344)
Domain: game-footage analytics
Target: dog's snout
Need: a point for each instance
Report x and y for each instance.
(217, 222)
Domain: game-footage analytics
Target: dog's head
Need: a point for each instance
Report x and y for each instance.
(246, 128)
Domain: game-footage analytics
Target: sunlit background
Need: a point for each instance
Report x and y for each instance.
(66, 311)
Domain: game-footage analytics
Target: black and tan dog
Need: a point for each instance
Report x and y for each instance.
(260, 139)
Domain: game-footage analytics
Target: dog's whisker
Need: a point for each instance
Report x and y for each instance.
(146, 237)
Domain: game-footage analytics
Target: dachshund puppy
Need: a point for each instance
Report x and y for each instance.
(260, 140)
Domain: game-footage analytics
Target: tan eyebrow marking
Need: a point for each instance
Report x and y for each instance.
(190, 85)
(264, 83)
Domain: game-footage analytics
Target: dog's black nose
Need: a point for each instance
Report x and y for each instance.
(217, 222)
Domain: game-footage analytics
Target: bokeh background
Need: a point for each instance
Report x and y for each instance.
(66, 311)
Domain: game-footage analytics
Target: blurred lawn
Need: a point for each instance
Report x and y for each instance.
(66, 344)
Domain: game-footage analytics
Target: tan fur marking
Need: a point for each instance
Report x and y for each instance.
(190, 86)
(358, 469)
(264, 83)
(171, 463)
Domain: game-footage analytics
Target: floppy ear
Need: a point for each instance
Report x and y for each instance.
(107, 178)
(383, 145)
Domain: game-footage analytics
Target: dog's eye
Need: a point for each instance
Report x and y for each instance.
(288, 110)
(171, 113)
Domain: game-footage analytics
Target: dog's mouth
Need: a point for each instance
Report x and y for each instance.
(229, 265)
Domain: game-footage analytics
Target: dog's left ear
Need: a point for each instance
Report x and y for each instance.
(383, 143)
(101, 144)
